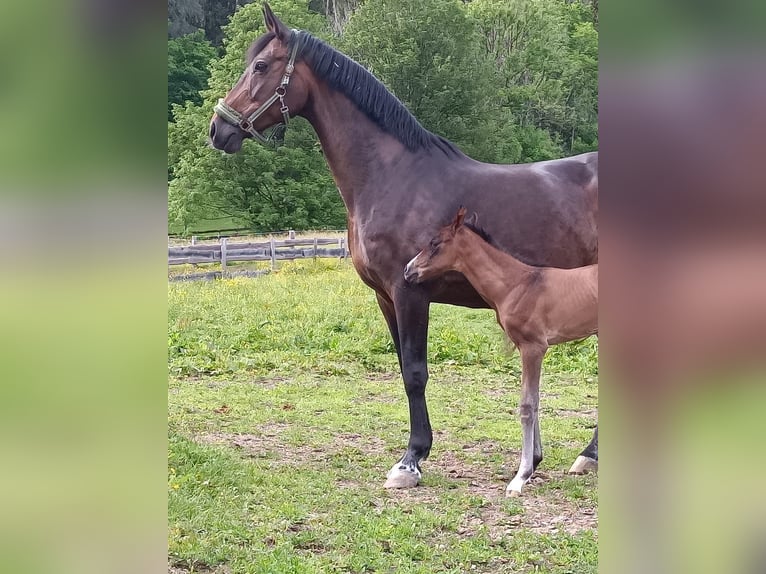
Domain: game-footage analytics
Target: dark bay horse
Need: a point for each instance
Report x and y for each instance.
(536, 307)
(399, 183)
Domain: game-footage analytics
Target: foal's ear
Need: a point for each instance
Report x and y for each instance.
(458, 218)
(473, 219)
(274, 24)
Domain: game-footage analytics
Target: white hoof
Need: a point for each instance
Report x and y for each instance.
(583, 465)
(401, 476)
(513, 490)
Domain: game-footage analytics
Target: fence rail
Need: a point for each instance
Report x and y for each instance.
(225, 252)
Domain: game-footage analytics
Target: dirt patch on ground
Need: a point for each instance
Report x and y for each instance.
(269, 443)
(269, 383)
(381, 376)
(587, 413)
(197, 568)
(544, 511)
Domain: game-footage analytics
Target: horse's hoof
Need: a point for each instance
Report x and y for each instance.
(583, 465)
(512, 493)
(401, 476)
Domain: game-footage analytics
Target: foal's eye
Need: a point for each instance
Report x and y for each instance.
(260, 66)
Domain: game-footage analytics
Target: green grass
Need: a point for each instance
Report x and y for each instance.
(286, 409)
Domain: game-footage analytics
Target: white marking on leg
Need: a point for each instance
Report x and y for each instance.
(402, 476)
(583, 465)
(531, 360)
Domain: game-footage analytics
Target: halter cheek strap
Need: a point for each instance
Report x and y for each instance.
(235, 118)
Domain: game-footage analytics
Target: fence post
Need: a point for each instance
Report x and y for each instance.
(340, 246)
(194, 240)
(291, 234)
(273, 254)
(224, 241)
(315, 250)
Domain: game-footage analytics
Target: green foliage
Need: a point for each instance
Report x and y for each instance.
(188, 59)
(266, 189)
(427, 54)
(184, 17)
(286, 188)
(545, 54)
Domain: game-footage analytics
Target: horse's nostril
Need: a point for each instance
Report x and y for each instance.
(212, 130)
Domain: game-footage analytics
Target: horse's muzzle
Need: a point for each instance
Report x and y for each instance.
(224, 136)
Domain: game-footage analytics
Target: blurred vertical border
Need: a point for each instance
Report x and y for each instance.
(83, 200)
(682, 118)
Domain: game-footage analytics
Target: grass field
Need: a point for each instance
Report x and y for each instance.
(286, 409)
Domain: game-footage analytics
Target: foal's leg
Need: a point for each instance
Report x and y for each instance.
(412, 319)
(588, 459)
(531, 445)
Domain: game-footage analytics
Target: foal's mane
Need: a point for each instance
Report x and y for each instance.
(481, 232)
(366, 92)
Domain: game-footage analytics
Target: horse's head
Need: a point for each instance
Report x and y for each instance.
(441, 254)
(270, 90)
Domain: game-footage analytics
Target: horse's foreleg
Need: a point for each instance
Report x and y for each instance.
(412, 320)
(588, 459)
(389, 314)
(531, 445)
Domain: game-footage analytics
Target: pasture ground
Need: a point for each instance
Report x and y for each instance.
(286, 409)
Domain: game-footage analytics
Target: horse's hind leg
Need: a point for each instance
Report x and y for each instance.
(531, 445)
(412, 320)
(588, 459)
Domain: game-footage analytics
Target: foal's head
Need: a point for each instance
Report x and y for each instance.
(441, 254)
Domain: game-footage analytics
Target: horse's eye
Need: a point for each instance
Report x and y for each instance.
(260, 66)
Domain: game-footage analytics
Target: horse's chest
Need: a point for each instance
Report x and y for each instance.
(365, 256)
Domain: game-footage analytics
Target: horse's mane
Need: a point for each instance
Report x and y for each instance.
(366, 92)
(481, 232)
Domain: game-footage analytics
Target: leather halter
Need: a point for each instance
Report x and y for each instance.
(235, 118)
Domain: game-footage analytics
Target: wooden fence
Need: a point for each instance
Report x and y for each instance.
(272, 250)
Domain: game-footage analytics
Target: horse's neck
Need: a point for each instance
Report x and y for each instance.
(355, 148)
(491, 271)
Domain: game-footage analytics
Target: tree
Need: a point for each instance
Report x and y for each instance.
(427, 53)
(188, 60)
(289, 187)
(184, 17)
(337, 12)
(545, 54)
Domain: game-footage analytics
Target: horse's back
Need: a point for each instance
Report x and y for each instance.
(544, 213)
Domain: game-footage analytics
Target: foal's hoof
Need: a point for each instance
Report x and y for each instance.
(401, 476)
(583, 465)
(512, 493)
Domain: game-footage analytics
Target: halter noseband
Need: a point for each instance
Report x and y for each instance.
(235, 118)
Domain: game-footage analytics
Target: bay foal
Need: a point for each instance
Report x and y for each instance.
(536, 307)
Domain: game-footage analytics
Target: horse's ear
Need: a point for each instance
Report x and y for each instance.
(274, 24)
(459, 218)
(473, 219)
